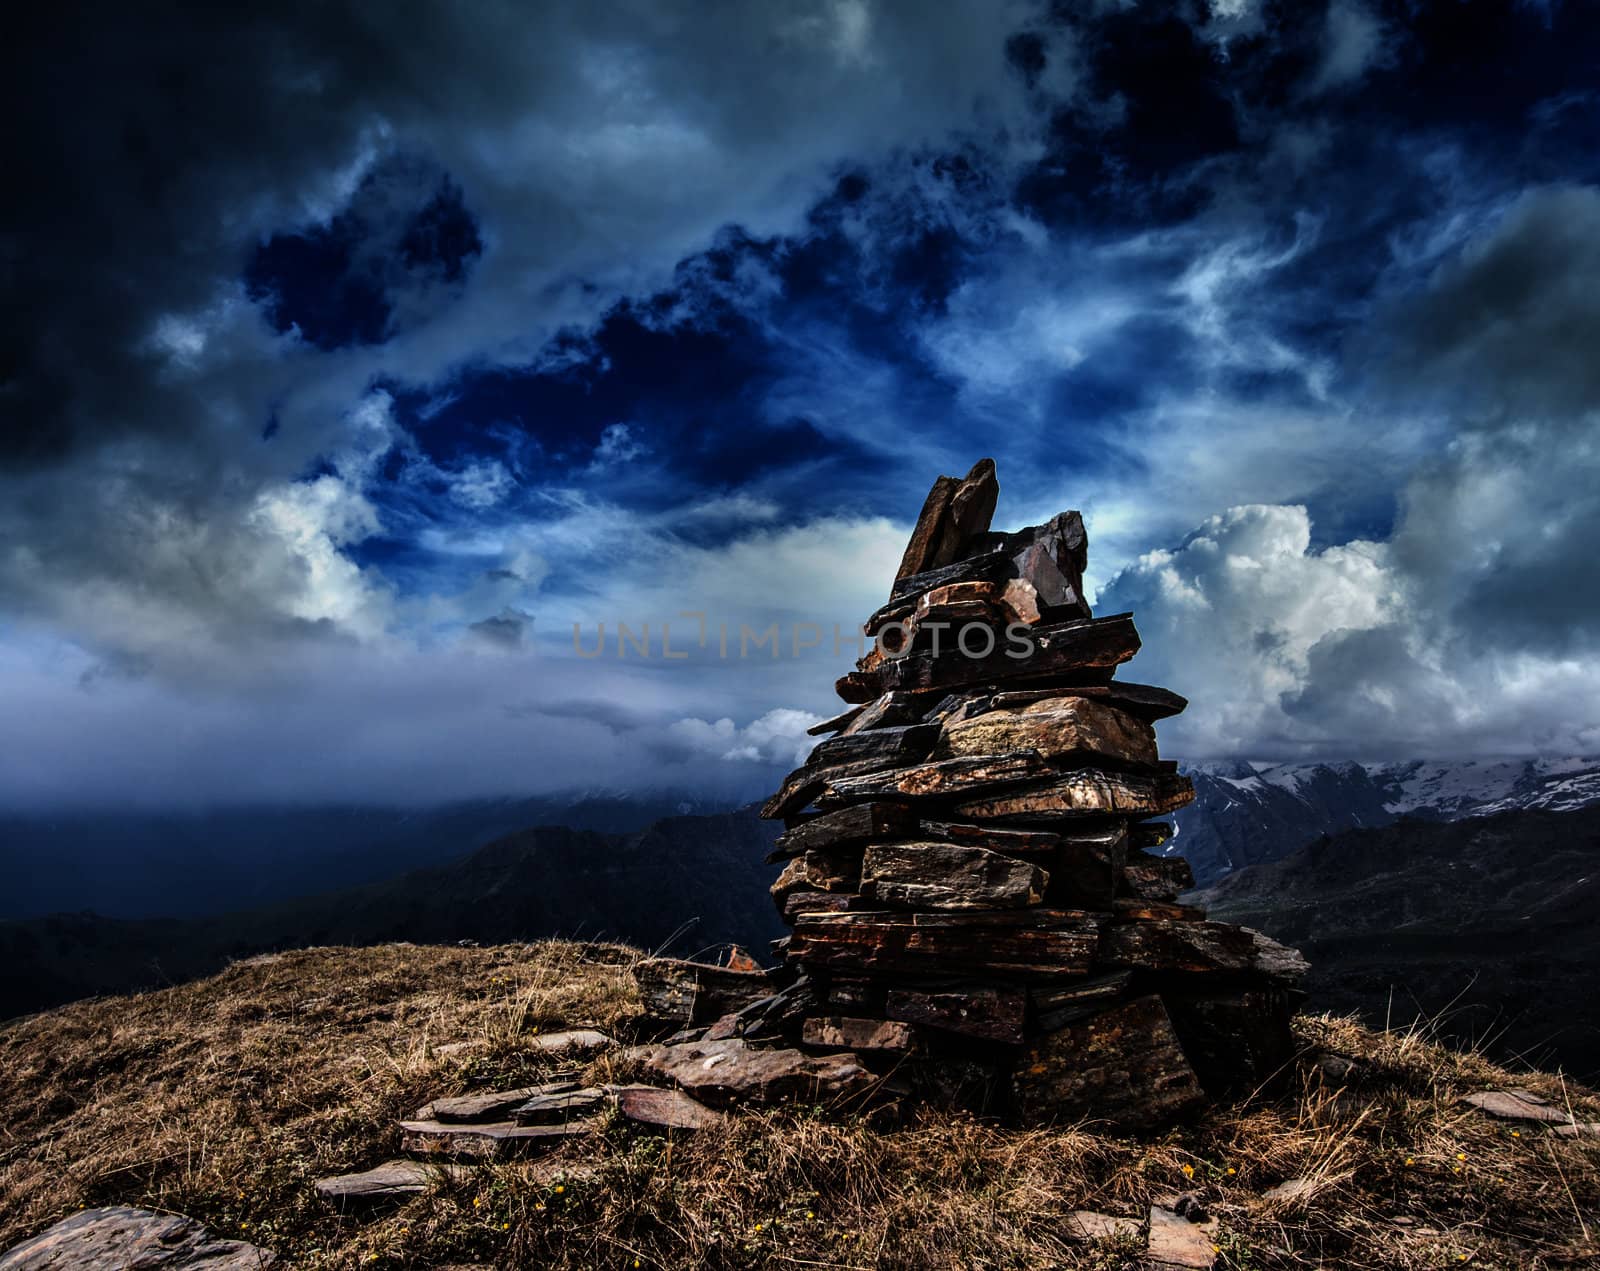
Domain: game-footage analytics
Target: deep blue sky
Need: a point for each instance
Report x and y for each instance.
(357, 352)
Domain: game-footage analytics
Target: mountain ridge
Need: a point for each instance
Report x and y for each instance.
(700, 878)
(1476, 927)
(1246, 814)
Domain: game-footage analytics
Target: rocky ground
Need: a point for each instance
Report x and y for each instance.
(228, 1100)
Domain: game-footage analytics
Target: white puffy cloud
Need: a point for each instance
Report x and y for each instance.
(1230, 619)
(1287, 651)
(779, 737)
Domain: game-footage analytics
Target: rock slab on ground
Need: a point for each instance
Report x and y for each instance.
(1085, 1224)
(731, 1071)
(665, 1109)
(1515, 1105)
(391, 1180)
(121, 1239)
(493, 1139)
(1176, 1244)
(494, 1105)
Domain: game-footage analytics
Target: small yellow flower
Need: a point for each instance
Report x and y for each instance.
(560, 1187)
(1409, 1161)
(809, 1215)
(1461, 1156)
(1231, 1170)
(1188, 1171)
(758, 1226)
(1516, 1134)
(477, 1202)
(505, 1226)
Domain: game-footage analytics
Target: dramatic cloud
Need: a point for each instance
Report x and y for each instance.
(354, 356)
(1288, 652)
(1236, 616)
(356, 203)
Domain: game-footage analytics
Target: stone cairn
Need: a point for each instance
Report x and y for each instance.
(981, 914)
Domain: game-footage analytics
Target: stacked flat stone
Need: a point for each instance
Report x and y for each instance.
(981, 909)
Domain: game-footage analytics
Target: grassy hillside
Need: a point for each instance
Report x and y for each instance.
(226, 1098)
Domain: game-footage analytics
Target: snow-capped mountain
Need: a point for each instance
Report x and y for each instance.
(1244, 814)
(1485, 786)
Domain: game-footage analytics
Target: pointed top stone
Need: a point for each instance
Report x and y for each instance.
(954, 516)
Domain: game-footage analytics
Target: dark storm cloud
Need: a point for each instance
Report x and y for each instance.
(225, 225)
(1507, 328)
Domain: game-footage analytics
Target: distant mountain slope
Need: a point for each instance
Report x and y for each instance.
(1493, 919)
(699, 877)
(1243, 815)
(186, 864)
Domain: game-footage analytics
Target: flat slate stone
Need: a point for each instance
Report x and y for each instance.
(948, 876)
(1054, 727)
(682, 992)
(1290, 1193)
(991, 1014)
(859, 823)
(494, 1105)
(501, 1138)
(731, 1071)
(1086, 792)
(1178, 1244)
(1037, 845)
(665, 1109)
(1143, 700)
(393, 1180)
(1085, 1224)
(569, 1039)
(1028, 942)
(1123, 1065)
(1515, 1105)
(1150, 877)
(558, 1108)
(926, 535)
(968, 774)
(1056, 1006)
(841, 720)
(119, 1239)
(1200, 947)
(904, 744)
(817, 902)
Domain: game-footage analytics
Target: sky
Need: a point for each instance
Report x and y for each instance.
(356, 353)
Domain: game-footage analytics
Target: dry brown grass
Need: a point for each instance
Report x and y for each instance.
(226, 1098)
